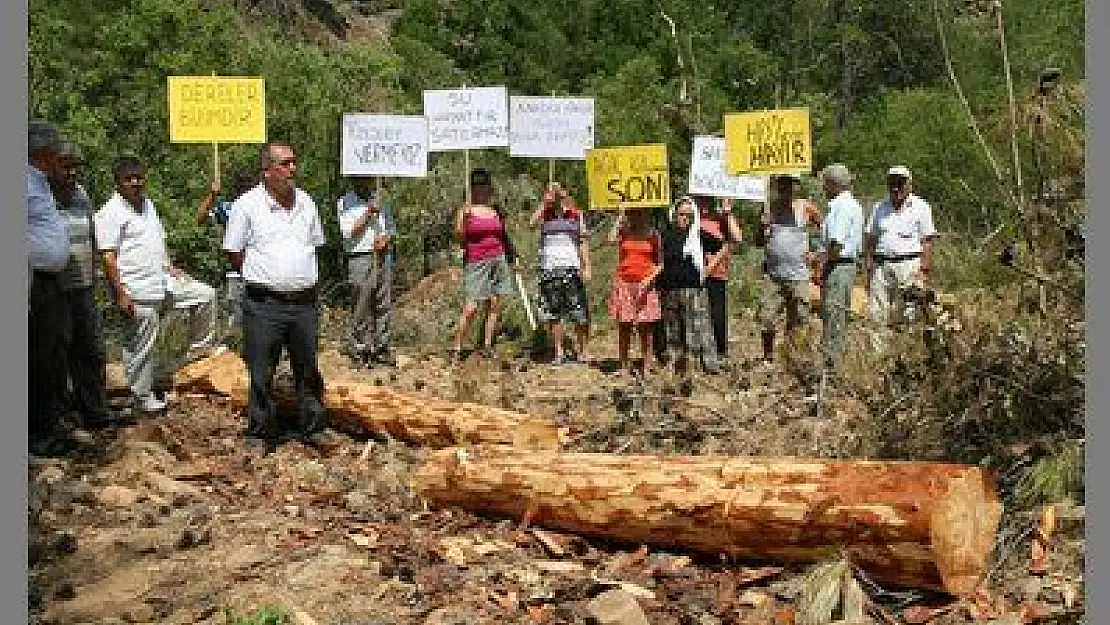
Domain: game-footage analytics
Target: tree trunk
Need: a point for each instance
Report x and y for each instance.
(917, 524)
(379, 410)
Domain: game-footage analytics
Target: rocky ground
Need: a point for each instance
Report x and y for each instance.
(171, 519)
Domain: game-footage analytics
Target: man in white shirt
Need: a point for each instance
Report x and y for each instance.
(84, 346)
(271, 239)
(47, 241)
(368, 230)
(898, 249)
(841, 239)
(144, 283)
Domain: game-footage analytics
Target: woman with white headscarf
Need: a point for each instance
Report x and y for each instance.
(685, 305)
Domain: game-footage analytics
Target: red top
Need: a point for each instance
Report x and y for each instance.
(714, 226)
(482, 238)
(636, 256)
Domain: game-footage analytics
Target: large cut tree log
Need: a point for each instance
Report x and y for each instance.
(378, 410)
(918, 524)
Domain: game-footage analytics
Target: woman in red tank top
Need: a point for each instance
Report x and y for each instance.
(634, 300)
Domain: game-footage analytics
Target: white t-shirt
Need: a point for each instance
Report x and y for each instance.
(560, 238)
(844, 225)
(139, 241)
(279, 245)
(901, 232)
(349, 209)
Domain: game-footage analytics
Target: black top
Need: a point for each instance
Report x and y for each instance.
(679, 271)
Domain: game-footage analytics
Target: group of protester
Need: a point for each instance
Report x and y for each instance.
(669, 282)
(669, 285)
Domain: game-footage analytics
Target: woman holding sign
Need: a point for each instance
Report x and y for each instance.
(487, 253)
(564, 268)
(634, 300)
(720, 231)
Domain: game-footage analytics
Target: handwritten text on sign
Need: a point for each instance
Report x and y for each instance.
(768, 142)
(467, 119)
(209, 109)
(708, 175)
(551, 127)
(384, 145)
(632, 176)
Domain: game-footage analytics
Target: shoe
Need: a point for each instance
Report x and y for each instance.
(259, 445)
(386, 357)
(150, 403)
(558, 361)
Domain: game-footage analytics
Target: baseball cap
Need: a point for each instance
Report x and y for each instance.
(899, 170)
(70, 150)
(42, 136)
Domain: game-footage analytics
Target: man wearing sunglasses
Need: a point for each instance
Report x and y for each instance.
(898, 250)
(271, 240)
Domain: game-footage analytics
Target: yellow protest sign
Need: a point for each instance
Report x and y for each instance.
(208, 109)
(630, 176)
(768, 142)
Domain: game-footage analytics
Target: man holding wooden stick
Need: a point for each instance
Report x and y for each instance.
(368, 229)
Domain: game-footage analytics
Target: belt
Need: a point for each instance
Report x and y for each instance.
(896, 258)
(46, 276)
(847, 260)
(304, 296)
(357, 254)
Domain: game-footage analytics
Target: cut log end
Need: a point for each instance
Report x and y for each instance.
(963, 529)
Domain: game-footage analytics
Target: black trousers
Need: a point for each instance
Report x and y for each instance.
(269, 324)
(85, 357)
(48, 324)
(718, 312)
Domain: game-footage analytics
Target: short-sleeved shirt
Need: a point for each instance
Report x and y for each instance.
(560, 239)
(80, 271)
(278, 244)
(636, 255)
(349, 209)
(139, 241)
(901, 232)
(844, 225)
(47, 232)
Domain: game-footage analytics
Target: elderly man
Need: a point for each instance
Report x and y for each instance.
(271, 239)
(84, 348)
(784, 233)
(144, 283)
(898, 250)
(368, 230)
(841, 238)
(47, 316)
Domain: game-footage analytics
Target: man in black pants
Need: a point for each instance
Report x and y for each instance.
(84, 346)
(47, 245)
(271, 240)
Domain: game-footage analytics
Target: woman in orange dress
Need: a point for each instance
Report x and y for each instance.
(634, 299)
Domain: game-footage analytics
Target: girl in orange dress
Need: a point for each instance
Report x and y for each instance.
(634, 299)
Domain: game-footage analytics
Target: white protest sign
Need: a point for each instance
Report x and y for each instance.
(542, 127)
(467, 119)
(709, 177)
(384, 145)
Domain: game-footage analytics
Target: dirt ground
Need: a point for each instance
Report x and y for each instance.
(171, 519)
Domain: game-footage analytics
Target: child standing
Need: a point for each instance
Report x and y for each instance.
(634, 300)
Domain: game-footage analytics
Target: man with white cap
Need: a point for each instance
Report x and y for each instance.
(47, 240)
(898, 248)
(841, 238)
(368, 230)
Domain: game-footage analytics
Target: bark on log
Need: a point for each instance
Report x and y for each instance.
(379, 410)
(918, 524)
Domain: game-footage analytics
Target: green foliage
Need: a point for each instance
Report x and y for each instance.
(871, 73)
(268, 615)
